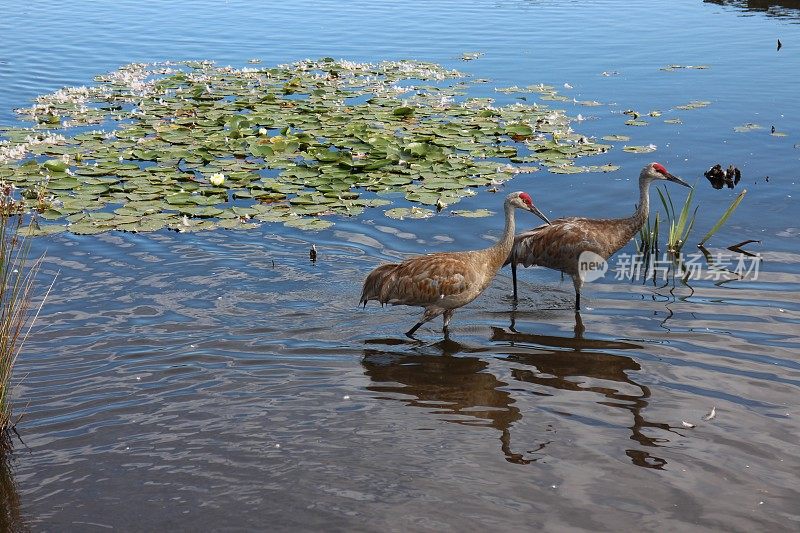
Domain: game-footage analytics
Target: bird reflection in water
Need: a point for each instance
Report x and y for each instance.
(580, 357)
(459, 386)
(463, 387)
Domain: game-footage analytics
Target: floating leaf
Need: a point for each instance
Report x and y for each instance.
(694, 104)
(312, 224)
(747, 128)
(640, 149)
(401, 213)
(477, 213)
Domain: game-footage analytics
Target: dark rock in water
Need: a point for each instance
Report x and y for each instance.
(719, 178)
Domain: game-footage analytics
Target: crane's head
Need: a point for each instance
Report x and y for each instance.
(656, 171)
(522, 200)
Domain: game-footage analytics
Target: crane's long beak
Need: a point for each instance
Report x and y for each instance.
(676, 179)
(535, 210)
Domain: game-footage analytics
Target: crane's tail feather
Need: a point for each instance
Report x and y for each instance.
(378, 284)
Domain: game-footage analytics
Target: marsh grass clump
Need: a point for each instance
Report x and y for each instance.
(17, 276)
(679, 225)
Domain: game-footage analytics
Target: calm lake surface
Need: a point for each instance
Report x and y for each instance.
(223, 381)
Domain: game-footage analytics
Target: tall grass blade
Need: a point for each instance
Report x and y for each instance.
(17, 277)
(728, 212)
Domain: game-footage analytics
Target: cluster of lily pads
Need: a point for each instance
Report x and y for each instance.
(193, 146)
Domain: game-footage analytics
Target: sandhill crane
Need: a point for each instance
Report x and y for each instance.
(559, 245)
(443, 282)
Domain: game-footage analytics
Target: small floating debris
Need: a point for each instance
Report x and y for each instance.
(687, 424)
(720, 178)
(312, 254)
(711, 414)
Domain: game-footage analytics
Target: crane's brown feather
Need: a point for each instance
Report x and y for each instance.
(560, 244)
(423, 280)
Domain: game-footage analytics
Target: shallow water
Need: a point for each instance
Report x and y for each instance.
(224, 381)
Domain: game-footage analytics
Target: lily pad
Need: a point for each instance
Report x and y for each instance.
(401, 213)
(640, 149)
(744, 128)
(616, 138)
(477, 213)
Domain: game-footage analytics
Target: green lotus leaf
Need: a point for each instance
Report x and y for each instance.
(616, 138)
(639, 149)
(313, 224)
(37, 230)
(747, 128)
(477, 213)
(236, 223)
(403, 111)
(200, 211)
(401, 213)
(51, 214)
(55, 165)
(86, 228)
(695, 104)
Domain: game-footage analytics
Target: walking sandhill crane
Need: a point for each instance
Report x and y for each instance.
(443, 282)
(559, 245)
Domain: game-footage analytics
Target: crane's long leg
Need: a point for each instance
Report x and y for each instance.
(447, 316)
(430, 314)
(577, 282)
(514, 275)
(410, 333)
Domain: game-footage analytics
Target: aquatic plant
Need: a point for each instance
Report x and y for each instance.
(724, 218)
(17, 277)
(648, 236)
(678, 225)
(192, 146)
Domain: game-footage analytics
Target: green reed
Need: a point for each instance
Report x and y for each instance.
(17, 277)
(679, 224)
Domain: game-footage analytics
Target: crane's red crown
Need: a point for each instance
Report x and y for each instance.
(660, 168)
(526, 198)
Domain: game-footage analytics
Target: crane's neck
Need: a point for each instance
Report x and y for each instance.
(639, 217)
(499, 252)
